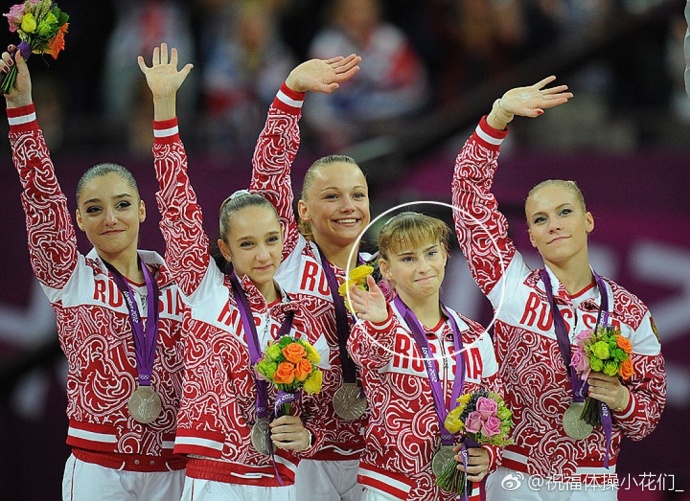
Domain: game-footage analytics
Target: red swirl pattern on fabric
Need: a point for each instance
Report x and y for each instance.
(93, 324)
(218, 403)
(403, 432)
(273, 156)
(537, 386)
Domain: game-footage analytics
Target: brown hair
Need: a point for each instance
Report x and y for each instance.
(414, 229)
(104, 169)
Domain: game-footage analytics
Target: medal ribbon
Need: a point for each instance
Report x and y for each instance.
(252, 338)
(342, 324)
(580, 387)
(423, 344)
(145, 339)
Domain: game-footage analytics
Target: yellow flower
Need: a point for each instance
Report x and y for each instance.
(453, 423)
(342, 290)
(360, 273)
(28, 23)
(313, 382)
(312, 355)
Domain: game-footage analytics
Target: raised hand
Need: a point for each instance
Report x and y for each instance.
(369, 305)
(163, 77)
(21, 91)
(530, 101)
(323, 75)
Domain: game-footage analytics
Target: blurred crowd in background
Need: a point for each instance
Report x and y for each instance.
(418, 57)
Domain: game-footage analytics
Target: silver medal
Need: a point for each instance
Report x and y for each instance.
(348, 402)
(144, 405)
(261, 437)
(441, 458)
(573, 425)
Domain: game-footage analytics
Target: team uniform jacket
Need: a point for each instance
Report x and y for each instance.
(536, 382)
(218, 404)
(403, 432)
(93, 322)
(301, 272)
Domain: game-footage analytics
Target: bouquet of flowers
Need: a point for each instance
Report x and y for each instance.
(358, 277)
(41, 26)
(601, 350)
(486, 420)
(291, 365)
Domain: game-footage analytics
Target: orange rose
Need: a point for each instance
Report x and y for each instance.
(57, 44)
(294, 352)
(626, 370)
(285, 374)
(624, 343)
(302, 369)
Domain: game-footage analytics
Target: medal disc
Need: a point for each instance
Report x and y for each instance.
(144, 405)
(261, 437)
(348, 402)
(573, 425)
(441, 458)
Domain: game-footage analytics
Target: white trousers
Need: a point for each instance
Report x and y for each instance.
(510, 485)
(87, 482)
(328, 480)
(210, 490)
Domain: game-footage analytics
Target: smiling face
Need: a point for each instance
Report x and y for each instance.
(110, 211)
(253, 243)
(558, 224)
(335, 204)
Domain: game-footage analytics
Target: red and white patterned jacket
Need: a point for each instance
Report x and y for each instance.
(536, 382)
(218, 402)
(403, 432)
(301, 272)
(92, 318)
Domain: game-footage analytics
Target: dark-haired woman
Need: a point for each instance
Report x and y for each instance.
(119, 319)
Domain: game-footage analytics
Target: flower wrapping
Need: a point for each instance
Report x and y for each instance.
(41, 27)
(605, 350)
(291, 365)
(485, 419)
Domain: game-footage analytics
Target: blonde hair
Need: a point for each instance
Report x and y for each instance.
(413, 229)
(569, 185)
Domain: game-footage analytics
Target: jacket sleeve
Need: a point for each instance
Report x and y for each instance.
(481, 229)
(647, 386)
(371, 345)
(50, 230)
(274, 153)
(186, 251)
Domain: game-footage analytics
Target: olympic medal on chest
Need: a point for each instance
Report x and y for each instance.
(441, 458)
(261, 437)
(348, 402)
(573, 425)
(144, 405)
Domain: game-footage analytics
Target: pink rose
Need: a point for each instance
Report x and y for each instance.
(14, 16)
(578, 361)
(491, 427)
(582, 336)
(486, 407)
(473, 423)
